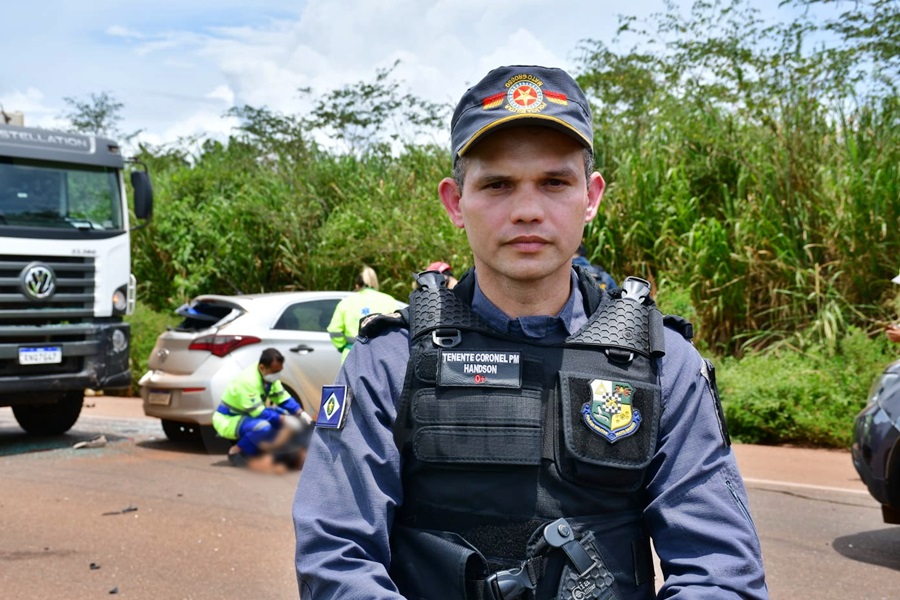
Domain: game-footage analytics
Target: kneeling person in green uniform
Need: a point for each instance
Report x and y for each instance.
(261, 416)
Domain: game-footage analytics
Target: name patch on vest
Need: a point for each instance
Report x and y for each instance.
(475, 368)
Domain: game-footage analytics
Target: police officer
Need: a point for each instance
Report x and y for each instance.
(260, 415)
(365, 300)
(604, 279)
(526, 434)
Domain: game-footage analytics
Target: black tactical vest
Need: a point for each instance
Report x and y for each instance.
(500, 437)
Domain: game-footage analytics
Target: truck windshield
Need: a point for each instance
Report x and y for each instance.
(35, 194)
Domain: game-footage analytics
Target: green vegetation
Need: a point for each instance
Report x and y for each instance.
(146, 325)
(753, 176)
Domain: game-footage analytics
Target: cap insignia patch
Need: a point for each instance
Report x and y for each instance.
(525, 94)
(610, 413)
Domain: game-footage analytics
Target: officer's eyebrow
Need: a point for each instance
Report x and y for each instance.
(489, 178)
(563, 173)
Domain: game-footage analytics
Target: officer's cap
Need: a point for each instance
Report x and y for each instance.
(521, 95)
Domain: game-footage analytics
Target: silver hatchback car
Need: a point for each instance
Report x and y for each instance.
(193, 362)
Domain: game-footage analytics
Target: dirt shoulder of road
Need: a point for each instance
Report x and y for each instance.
(806, 466)
(118, 407)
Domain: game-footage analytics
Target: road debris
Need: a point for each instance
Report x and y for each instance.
(97, 442)
(127, 509)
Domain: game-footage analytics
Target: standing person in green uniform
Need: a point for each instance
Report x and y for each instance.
(260, 415)
(366, 300)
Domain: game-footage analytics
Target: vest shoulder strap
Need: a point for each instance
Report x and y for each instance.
(679, 324)
(375, 325)
(626, 320)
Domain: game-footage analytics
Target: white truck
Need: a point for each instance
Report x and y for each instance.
(65, 272)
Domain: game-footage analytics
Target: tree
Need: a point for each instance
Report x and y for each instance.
(368, 114)
(99, 115)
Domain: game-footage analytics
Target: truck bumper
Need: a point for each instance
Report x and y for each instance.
(94, 355)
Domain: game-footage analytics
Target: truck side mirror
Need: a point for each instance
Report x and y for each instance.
(143, 195)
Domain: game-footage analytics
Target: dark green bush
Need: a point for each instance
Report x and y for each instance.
(802, 397)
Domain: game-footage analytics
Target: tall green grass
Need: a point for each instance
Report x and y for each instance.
(753, 177)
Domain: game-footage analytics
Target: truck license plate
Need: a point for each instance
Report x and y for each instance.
(159, 397)
(40, 356)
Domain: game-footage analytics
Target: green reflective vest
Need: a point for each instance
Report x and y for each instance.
(344, 324)
(245, 396)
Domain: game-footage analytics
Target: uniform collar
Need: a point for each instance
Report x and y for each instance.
(548, 329)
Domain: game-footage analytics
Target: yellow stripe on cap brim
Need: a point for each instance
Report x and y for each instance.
(532, 117)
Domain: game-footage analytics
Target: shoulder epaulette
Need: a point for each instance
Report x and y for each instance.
(679, 324)
(374, 325)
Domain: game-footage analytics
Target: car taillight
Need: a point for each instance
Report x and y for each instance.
(220, 345)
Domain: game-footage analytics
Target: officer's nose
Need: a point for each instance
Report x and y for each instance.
(527, 205)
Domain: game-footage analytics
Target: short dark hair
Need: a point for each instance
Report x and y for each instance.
(269, 356)
(462, 164)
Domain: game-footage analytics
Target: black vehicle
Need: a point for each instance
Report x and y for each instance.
(876, 442)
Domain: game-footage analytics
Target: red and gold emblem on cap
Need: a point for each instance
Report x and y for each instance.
(493, 101)
(525, 94)
(556, 98)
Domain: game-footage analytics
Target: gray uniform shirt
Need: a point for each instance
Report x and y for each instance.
(350, 486)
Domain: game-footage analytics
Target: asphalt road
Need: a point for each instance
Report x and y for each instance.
(203, 529)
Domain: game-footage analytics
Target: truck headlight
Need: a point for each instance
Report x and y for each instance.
(120, 301)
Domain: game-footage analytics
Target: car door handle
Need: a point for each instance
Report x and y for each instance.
(302, 349)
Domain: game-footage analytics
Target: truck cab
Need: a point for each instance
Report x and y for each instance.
(65, 272)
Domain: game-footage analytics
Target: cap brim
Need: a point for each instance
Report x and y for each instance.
(517, 120)
(896, 279)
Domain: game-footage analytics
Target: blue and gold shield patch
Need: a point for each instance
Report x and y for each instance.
(610, 412)
(333, 409)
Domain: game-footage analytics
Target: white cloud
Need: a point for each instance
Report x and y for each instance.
(224, 93)
(178, 68)
(123, 32)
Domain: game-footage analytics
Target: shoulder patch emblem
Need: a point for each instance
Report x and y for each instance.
(610, 413)
(334, 408)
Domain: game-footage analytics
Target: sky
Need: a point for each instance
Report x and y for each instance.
(178, 65)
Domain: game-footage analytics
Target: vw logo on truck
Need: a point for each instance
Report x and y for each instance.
(38, 281)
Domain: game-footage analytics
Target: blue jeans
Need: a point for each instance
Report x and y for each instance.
(252, 432)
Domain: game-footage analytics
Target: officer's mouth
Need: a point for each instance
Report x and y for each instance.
(528, 244)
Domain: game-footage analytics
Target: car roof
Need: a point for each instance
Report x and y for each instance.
(250, 301)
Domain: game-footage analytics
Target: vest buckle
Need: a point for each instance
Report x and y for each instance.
(508, 585)
(446, 338)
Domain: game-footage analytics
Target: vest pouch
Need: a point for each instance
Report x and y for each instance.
(484, 426)
(433, 565)
(609, 430)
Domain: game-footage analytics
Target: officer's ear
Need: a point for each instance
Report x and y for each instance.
(450, 195)
(595, 185)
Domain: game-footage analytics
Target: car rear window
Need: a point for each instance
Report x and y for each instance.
(203, 315)
(307, 316)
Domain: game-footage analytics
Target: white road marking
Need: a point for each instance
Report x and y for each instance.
(803, 486)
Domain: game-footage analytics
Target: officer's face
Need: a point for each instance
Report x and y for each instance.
(523, 205)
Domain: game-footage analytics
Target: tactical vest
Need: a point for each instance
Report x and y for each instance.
(524, 464)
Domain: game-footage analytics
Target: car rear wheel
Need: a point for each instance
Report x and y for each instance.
(214, 443)
(54, 418)
(181, 432)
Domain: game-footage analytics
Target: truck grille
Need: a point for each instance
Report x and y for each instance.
(72, 301)
(79, 341)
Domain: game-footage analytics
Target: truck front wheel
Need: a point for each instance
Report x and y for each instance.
(50, 419)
